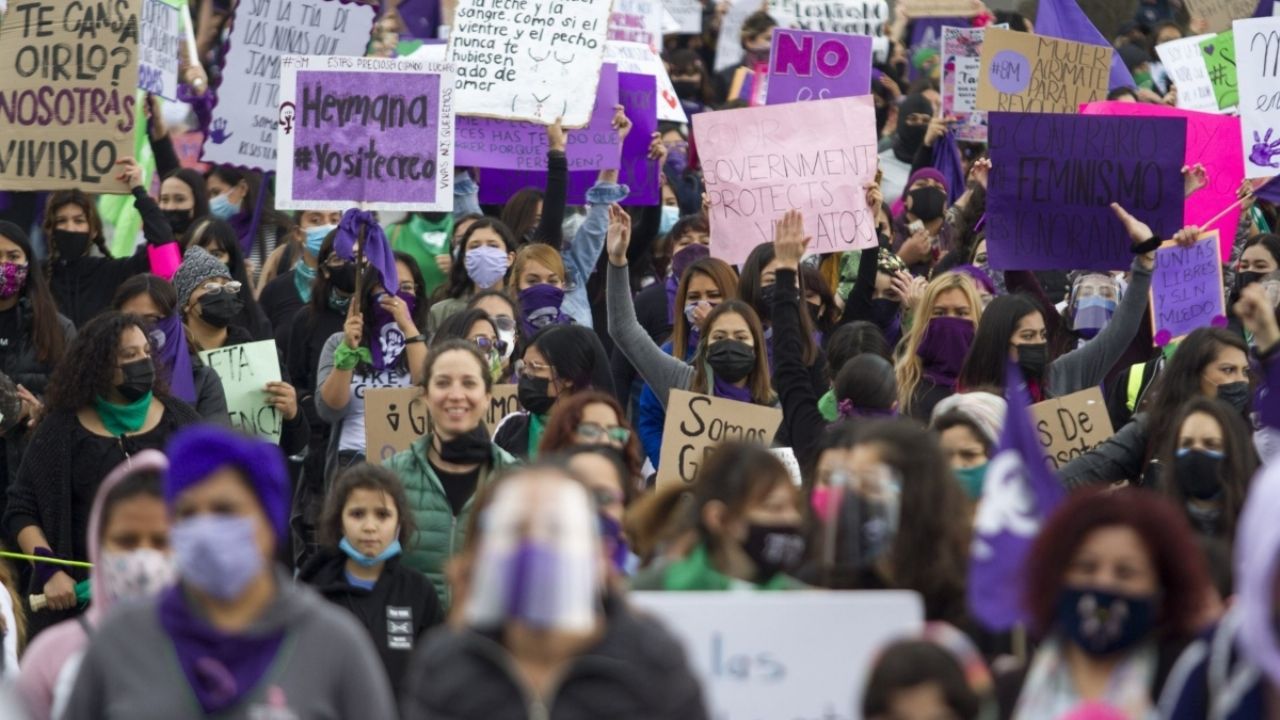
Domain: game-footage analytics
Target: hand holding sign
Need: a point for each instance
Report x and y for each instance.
(621, 123)
(619, 238)
(283, 397)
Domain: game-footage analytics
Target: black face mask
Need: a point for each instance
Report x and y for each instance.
(1245, 279)
(70, 245)
(774, 549)
(468, 448)
(815, 312)
(218, 310)
(687, 89)
(928, 203)
(1235, 394)
(1032, 360)
(179, 221)
(532, 394)
(343, 277)
(764, 301)
(731, 360)
(1198, 473)
(139, 376)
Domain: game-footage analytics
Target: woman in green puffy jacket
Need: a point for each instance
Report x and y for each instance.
(443, 469)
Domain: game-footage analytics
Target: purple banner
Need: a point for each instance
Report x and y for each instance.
(514, 145)
(638, 95)
(809, 65)
(1054, 177)
(1186, 290)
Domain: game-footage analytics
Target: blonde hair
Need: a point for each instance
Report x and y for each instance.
(544, 255)
(9, 583)
(909, 367)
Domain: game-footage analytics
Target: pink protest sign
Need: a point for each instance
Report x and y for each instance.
(1213, 141)
(807, 65)
(814, 157)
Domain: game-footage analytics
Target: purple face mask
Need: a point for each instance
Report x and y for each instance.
(12, 277)
(541, 307)
(944, 347)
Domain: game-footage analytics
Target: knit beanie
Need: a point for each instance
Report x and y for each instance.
(198, 451)
(197, 267)
(986, 410)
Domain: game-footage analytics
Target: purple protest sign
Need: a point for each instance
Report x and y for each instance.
(637, 93)
(808, 65)
(1186, 289)
(514, 145)
(1054, 177)
(373, 132)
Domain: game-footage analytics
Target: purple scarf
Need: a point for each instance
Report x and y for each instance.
(944, 347)
(174, 360)
(540, 307)
(729, 391)
(388, 344)
(220, 668)
(242, 223)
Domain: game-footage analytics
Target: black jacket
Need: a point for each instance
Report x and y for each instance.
(281, 302)
(637, 671)
(403, 599)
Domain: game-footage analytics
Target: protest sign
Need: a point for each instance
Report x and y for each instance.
(806, 65)
(1213, 140)
(529, 61)
(393, 419)
(779, 656)
(158, 47)
(636, 58)
(1054, 177)
(68, 80)
(1186, 289)
(637, 21)
(245, 120)
(1219, 53)
(637, 171)
(1021, 72)
(1071, 426)
(728, 41)
(1258, 70)
(687, 14)
(377, 132)
(961, 66)
(851, 17)
(513, 145)
(245, 370)
(696, 424)
(1218, 14)
(1184, 63)
(502, 402)
(813, 157)
(939, 8)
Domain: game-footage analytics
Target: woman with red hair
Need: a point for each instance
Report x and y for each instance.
(594, 418)
(1115, 587)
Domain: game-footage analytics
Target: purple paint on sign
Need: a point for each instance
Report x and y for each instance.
(365, 136)
(807, 65)
(1010, 72)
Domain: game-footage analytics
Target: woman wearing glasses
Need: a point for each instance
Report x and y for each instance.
(476, 327)
(219, 239)
(504, 311)
(594, 419)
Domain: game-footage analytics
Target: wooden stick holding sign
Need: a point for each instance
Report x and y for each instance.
(697, 423)
(1072, 425)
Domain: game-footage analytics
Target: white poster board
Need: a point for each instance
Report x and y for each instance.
(1258, 77)
(637, 58)
(851, 17)
(687, 14)
(637, 21)
(729, 41)
(784, 655)
(159, 31)
(243, 130)
(1184, 64)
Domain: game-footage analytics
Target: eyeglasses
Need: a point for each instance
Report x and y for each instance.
(488, 345)
(213, 288)
(605, 498)
(534, 369)
(593, 432)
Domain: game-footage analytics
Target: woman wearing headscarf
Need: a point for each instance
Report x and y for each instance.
(914, 115)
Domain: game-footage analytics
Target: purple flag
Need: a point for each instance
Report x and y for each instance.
(377, 251)
(421, 18)
(1270, 191)
(1065, 20)
(1018, 494)
(946, 159)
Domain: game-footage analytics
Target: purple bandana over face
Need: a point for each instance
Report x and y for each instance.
(540, 305)
(944, 347)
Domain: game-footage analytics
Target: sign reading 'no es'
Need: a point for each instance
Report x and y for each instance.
(807, 65)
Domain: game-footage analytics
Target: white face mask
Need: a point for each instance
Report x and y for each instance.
(136, 574)
(508, 337)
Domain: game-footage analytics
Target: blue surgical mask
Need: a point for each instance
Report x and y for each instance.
(366, 560)
(221, 208)
(217, 554)
(670, 214)
(316, 236)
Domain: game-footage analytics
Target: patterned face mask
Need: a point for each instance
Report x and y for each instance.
(13, 276)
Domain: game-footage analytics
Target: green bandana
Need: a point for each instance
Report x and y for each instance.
(122, 419)
(424, 240)
(695, 572)
(537, 424)
(828, 407)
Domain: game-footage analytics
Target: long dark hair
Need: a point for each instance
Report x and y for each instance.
(460, 283)
(199, 192)
(811, 280)
(750, 290)
(1180, 379)
(60, 199)
(46, 331)
(210, 231)
(988, 356)
(319, 304)
(155, 287)
(521, 212)
(758, 379)
(90, 363)
(575, 354)
(458, 325)
(269, 216)
(726, 281)
(1239, 461)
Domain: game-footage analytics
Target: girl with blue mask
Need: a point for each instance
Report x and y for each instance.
(359, 568)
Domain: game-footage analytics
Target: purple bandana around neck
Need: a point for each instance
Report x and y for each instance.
(174, 360)
(944, 347)
(221, 668)
(540, 307)
(387, 345)
(729, 391)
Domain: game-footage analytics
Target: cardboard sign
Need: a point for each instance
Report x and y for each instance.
(1213, 141)
(961, 67)
(1071, 426)
(851, 17)
(245, 371)
(687, 14)
(1029, 73)
(638, 59)
(1219, 53)
(784, 655)
(814, 157)
(939, 8)
(68, 76)
(1184, 63)
(502, 402)
(1186, 289)
(393, 419)
(696, 424)
(529, 61)
(246, 118)
(374, 132)
(806, 65)
(1054, 177)
(637, 21)
(1258, 70)
(1219, 14)
(512, 145)
(158, 47)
